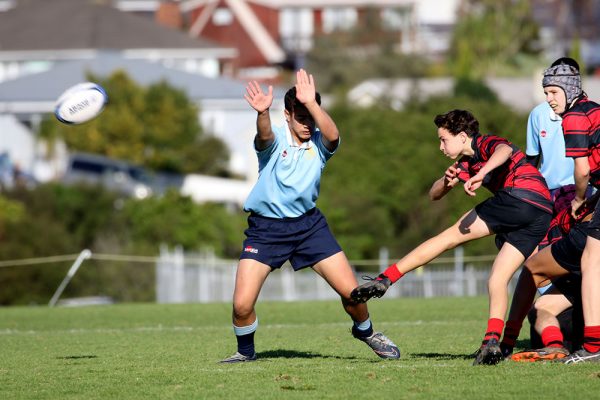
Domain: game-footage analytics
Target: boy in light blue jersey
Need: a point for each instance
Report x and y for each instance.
(284, 223)
(546, 147)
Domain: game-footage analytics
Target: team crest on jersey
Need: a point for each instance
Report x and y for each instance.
(543, 133)
(250, 249)
(284, 154)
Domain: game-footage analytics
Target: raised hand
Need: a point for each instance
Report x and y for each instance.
(257, 98)
(305, 87)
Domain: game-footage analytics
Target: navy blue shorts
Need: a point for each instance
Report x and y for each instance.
(515, 221)
(304, 240)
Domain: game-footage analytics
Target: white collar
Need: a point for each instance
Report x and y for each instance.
(292, 142)
(554, 116)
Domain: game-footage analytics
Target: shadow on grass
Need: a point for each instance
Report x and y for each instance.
(443, 356)
(523, 343)
(76, 357)
(281, 353)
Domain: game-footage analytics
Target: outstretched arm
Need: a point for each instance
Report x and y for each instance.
(501, 154)
(261, 102)
(305, 93)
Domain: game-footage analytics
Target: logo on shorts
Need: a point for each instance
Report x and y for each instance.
(543, 133)
(284, 154)
(250, 249)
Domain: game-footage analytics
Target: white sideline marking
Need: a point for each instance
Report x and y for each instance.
(160, 328)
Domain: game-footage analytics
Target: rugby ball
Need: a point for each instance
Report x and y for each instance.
(80, 103)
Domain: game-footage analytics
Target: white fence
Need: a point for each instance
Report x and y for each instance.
(182, 278)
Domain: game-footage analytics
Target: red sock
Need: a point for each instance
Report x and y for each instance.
(591, 338)
(494, 330)
(392, 273)
(511, 333)
(552, 337)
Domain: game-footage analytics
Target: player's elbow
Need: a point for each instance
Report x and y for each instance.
(436, 193)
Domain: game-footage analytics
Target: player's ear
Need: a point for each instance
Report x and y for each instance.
(288, 116)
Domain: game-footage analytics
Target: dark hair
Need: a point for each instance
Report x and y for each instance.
(457, 121)
(290, 100)
(567, 61)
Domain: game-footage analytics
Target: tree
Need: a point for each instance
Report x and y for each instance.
(342, 59)
(375, 190)
(493, 37)
(156, 127)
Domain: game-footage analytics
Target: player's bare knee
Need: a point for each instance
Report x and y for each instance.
(242, 311)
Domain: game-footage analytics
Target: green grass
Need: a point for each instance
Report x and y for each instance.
(305, 350)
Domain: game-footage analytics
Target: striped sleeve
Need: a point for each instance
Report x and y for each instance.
(464, 174)
(576, 131)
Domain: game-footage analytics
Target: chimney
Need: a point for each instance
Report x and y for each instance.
(168, 14)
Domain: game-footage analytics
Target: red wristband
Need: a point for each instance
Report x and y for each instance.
(392, 273)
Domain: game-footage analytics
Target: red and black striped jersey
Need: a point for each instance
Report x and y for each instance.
(515, 177)
(563, 221)
(581, 128)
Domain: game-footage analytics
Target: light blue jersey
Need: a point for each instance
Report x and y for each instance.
(545, 137)
(289, 176)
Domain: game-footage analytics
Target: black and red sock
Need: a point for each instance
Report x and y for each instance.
(591, 338)
(552, 337)
(511, 333)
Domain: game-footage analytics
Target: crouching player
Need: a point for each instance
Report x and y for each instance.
(561, 263)
(519, 214)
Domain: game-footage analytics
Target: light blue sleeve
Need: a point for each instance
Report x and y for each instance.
(265, 154)
(533, 129)
(324, 151)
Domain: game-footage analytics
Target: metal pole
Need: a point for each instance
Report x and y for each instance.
(84, 255)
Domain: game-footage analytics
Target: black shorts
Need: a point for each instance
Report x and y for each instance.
(570, 287)
(594, 228)
(304, 240)
(568, 250)
(515, 221)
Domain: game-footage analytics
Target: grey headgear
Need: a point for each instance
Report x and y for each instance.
(567, 78)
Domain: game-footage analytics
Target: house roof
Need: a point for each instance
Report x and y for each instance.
(257, 32)
(38, 92)
(85, 24)
(187, 5)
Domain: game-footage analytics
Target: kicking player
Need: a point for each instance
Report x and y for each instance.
(284, 223)
(519, 214)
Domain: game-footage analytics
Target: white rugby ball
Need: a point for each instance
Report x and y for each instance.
(80, 103)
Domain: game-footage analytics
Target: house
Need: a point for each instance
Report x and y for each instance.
(37, 34)
(223, 112)
(269, 33)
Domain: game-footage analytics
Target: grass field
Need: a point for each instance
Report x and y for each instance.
(305, 350)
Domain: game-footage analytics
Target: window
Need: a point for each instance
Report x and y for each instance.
(296, 27)
(222, 17)
(339, 19)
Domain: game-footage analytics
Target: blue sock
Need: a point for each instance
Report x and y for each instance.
(363, 329)
(245, 338)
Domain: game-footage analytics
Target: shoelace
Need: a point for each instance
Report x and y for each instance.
(369, 278)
